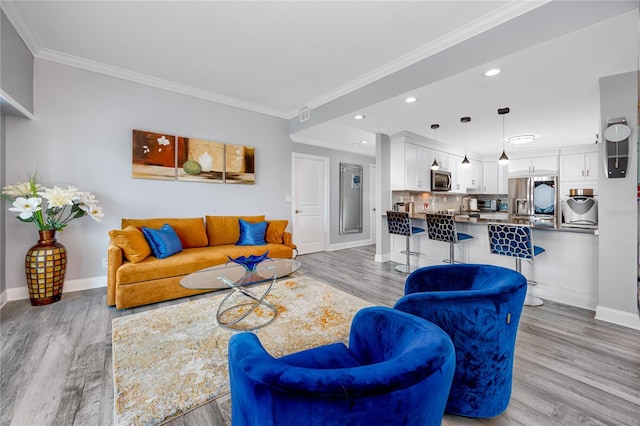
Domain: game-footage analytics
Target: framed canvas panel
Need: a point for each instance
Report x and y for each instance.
(154, 156)
(239, 164)
(200, 160)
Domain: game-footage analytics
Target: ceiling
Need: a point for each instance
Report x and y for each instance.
(279, 57)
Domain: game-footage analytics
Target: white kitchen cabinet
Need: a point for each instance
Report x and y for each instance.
(443, 160)
(457, 173)
(490, 177)
(579, 167)
(503, 179)
(473, 175)
(410, 167)
(534, 165)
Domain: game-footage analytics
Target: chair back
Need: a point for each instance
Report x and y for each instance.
(442, 227)
(399, 223)
(511, 240)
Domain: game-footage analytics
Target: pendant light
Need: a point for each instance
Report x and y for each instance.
(435, 165)
(465, 162)
(503, 158)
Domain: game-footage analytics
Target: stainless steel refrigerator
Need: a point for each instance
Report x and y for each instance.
(534, 198)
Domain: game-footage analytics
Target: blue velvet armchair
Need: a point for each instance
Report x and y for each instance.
(479, 306)
(397, 370)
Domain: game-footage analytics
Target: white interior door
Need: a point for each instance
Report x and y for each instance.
(310, 202)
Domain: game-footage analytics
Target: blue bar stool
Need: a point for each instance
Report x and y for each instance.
(515, 241)
(399, 223)
(442, 227)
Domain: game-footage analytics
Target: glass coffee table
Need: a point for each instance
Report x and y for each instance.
(238, 278)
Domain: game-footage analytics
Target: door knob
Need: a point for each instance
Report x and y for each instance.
(298, 211)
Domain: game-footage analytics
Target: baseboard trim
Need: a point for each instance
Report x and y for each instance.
(615, 316)
(382, 258)
(21, 293)
(350, 244)
(3, 298)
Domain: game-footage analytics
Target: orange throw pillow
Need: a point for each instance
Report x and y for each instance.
(275, 231)
(132, 242)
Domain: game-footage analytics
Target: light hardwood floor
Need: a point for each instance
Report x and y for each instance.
(569, 369)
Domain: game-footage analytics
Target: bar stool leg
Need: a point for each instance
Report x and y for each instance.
(407, 267)
(530, 299)
(452, 254)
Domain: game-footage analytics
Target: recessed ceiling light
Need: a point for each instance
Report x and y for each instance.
(358, 117)
(411, 99)
(521, 139)
(363, 142)
(493, 72)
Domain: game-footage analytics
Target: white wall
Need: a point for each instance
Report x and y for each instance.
(617, 211)
(81, 135)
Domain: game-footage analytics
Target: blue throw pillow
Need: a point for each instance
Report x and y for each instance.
(164, 242)
(252, 234)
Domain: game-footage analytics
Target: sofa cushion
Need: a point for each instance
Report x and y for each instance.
(275, 231)
(132, 243)
(191, 231)
(226, 229)
(164, 242)
(251, 234)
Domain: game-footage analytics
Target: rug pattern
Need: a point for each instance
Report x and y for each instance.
(170, 360)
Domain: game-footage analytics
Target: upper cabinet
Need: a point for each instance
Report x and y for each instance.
(534, 165)
(410, 167)
(490, 177)
(443, 160)
(457, 173)
(579, 167)
(473, 176)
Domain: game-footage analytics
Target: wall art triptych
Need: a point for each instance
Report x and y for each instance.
(166, 157)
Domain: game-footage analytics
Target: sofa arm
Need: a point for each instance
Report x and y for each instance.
(287, 238)
(114, 260)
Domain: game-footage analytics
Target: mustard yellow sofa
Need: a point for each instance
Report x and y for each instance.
(135, 277)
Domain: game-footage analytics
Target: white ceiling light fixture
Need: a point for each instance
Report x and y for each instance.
(358, 117)
(521, 139)
(493, 72)
(411, 99)
(503, 158)
(435, 165)
(465, 161)
(364, 142)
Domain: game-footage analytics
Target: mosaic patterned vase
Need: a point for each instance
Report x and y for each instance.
(45, 265)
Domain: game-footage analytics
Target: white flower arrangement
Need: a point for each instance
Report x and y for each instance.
(50, 208)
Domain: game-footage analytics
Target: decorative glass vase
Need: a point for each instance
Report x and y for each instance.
(45, 265)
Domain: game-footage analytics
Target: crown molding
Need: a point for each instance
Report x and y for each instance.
(74, 61)
(478, 26)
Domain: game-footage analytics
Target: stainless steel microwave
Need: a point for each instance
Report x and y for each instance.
(440, 180)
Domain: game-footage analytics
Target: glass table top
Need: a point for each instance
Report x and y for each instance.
(222, 276)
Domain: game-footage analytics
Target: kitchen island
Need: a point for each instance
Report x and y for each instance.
(567, 272)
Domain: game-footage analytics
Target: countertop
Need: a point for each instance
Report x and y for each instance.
(503, 217)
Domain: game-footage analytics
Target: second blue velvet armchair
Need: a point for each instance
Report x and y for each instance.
(479, 306)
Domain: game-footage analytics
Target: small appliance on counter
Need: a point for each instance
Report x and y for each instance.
(580, 210)
(488, 205)
(398, 207)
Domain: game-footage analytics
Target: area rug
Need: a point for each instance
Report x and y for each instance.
(170, 360)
